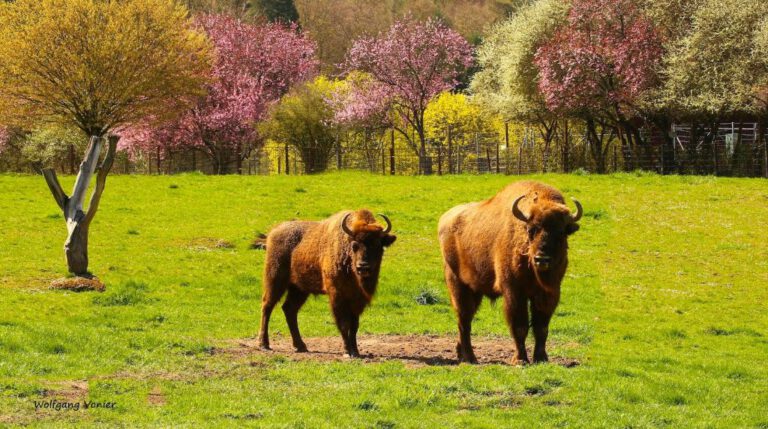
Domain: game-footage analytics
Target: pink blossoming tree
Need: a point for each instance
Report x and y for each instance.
(600, 64)
(255, 65)
(410, 64)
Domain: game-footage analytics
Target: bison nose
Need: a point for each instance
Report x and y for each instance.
(363, 269)
(542, 261)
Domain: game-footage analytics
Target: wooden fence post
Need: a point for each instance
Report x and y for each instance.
(520, 153)
(450, 151)
(392, 154)
(338, 152)
(506, 142)
(287, 162)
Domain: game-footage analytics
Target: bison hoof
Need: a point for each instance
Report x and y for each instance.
(301, 348)
(353, 355)
(466, 356)
(519, 361)
(264, 347)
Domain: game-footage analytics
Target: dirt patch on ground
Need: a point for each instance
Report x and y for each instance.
(78, 284)
(68, 391)
(156, 396)
(203, 244)
(413, 350)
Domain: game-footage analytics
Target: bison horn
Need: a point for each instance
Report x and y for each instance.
(344, 226)
(516, 210)
(579, 210)
(389, 224)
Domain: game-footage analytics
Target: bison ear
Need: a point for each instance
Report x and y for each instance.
(388, 239)
(571, 228)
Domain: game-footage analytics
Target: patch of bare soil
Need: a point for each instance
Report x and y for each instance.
(413, 350)
(156, 396)
(203, 244)
(78, 284)
(68, 391)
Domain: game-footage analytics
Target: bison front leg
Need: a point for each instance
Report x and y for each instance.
(293, 302)
(542, 308)
(354, 324)
(540, 333)
(344, 321)
(516, 312)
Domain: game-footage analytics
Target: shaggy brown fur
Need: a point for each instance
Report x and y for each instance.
(321, 258)
(489, 251)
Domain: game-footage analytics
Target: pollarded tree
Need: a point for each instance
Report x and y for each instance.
(412, 62)
(600, 63)
(255, 65)
(95, 65)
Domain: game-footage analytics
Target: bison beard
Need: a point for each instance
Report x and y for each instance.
(340, 256)
(513, 245)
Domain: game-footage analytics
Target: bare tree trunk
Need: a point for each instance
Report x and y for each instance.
(159, 171)
(596, 146)
(566, 148)
(78, 221)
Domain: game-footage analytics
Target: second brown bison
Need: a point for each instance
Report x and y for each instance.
(513, 245)
(340, 256)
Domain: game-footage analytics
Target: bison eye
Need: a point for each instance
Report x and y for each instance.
(355, 246)
(532, 230)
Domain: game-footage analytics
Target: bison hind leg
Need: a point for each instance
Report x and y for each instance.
(293, 303)
(466, 302)
(273, 292)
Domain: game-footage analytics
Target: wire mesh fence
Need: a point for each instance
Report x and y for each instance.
(733, 150)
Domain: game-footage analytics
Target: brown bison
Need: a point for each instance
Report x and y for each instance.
(340, 256)
(513, 245)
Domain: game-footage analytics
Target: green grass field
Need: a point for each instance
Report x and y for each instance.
(664, 306)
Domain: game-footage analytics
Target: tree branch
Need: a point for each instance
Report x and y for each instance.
(53, 184)
(101, 178)
(87, 168)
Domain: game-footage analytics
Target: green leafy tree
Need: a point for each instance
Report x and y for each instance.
(278, 10)
(713, 73)
(304, 119)
(52, 144)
